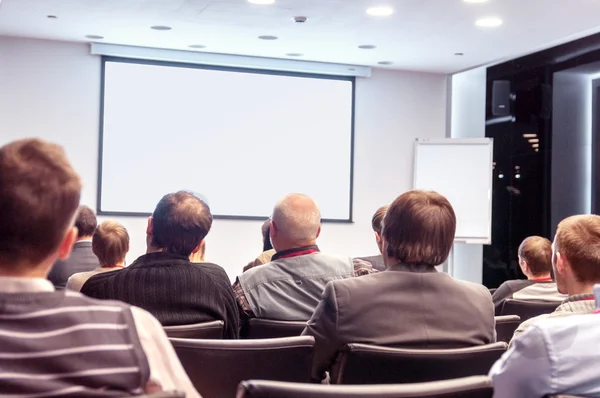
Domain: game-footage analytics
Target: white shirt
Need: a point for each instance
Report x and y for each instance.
(165, 368)
(554, 356)
(76, 281)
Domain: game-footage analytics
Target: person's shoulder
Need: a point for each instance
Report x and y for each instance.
(212, 269)
(474, 288)
(91, 301)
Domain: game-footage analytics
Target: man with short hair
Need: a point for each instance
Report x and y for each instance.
(576, 266)
(558, 355)
(410, 304)
(164, 281)
(61, 343)
(110, 243)
(82, 258)
(288, 288)
(377, 261)
(535, 260)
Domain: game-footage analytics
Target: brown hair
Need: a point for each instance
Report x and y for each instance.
(378, 218)
(110, 243)
(180, 222)
(419, 228)
(536, 251)
(578, 240)
(85, 221)
(39, 194)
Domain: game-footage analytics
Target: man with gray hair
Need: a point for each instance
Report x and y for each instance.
(290, 286)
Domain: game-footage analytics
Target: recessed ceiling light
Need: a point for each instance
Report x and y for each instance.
(94, 37)
(261, 2)
(385, 63)
(268, 37)
(459, 54)
(529, 135)
(491, 22)
(533, 140)
(197, 46)
(535, 145)
(475, 1)
(294, 54)
(51, 16)
(537, 149)
(380, 11)
(160, 27)
(367, 46)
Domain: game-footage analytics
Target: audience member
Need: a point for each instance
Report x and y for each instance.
(82, 258)
(410, 304)
(164, 281)
(377, 261)
(576, 266)
(535, 260)
(268, 250)
(289, 287)
(59, 343)
(110, 243)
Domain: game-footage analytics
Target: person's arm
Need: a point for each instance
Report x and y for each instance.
(323, 327)
(166, 370)
(362, 267)
(525, 370)
(504, 292)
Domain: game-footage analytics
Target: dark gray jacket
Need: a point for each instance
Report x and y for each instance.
(82, 259)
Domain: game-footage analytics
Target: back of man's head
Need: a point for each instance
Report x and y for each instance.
(85, 222)
(578, 241)
(536, 252)
(296, 219)
(180, 222)
(110, 243)
(378, 219)
(39, 194)
(418, 229)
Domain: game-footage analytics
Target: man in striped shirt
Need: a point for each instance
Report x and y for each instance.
(61, 343)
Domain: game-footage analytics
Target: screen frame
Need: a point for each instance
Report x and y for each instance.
(105, 59)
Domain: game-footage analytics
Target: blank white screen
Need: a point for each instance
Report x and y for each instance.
(240, 140)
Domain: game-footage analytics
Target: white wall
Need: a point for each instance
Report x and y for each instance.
(52, 90)
(467, 120)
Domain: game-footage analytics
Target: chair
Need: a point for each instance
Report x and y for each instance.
(216, 367)
(269, 328)
(493, 290)
(205, 330)
(370, 364)
(468, 387)
(506, 326)
(527, 309)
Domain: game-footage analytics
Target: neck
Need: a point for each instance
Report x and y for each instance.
(87, 238)
(120, 264)
(581, 288)
(294, 245)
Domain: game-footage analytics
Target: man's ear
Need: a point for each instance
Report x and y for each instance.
(200, 247)
(377, 237)
(273, 229)
(561, 264)
(150, 227)
(127, 251)
(319, 231)
(64, 250)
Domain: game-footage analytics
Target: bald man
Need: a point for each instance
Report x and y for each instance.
(290, 286)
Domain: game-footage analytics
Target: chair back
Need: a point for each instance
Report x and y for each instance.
(527, 309)
(205, 330)
(469, 387)
(506, 326)
(270, 328)
(370, 364)
(216, 367)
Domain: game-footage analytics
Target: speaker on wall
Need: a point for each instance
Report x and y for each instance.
(501, 98)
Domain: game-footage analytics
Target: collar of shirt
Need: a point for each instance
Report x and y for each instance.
(579, 297)
(541, 280)
(299, 251)
(9, 284)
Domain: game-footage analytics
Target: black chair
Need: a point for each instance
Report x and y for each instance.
(369, 364)
(216, 367)
(205, 330)
(468, 387)
(269, 328)
(493, 290)
(527, 309)
(506, 326)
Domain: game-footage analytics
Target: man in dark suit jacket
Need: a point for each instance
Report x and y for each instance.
(82, 258)
(377, 261)
(410, 304)
(164, 281)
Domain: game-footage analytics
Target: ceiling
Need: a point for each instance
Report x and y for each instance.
(419, 35)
